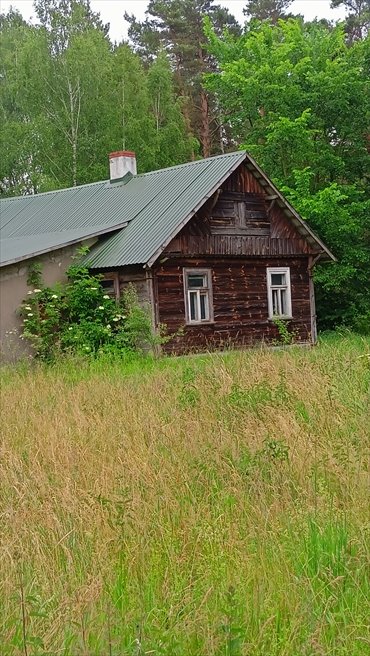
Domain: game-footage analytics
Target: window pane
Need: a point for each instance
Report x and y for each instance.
(193, 306)
(283, 301)
(278, 279)
(108, 286)
(196, 281)
(275, 301)
(204, 314)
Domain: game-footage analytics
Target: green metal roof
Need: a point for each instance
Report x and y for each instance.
(35, 224)
(152, 204)
(157, 204)
(143, 212)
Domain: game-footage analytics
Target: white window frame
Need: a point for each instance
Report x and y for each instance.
(271, 288)
(187, 291)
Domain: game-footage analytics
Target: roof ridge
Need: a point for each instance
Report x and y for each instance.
(106, 182)
(192, 163)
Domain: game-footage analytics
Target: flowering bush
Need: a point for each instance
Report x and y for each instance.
(79, 317)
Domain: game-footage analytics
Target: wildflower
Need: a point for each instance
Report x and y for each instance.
(106, 296)
(30, 292)
(70, 328)
(30, 314)
(94, 288)
(101, 307)
(108, 326)
(37, 291)
(27, 307)
(87, 348)
(54, 296)
(24, 320)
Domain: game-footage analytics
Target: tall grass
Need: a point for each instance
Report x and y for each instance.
(212, 506)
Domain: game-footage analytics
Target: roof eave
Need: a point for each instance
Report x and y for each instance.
(290, 211)
(70, 242)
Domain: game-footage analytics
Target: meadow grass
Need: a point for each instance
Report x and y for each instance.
(213, 506)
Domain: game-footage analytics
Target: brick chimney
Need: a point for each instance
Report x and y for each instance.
(120, 163)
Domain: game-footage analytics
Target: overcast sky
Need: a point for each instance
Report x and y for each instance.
(112, 11)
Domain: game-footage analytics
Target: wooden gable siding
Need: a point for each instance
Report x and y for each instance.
(236, 245)
(240, 219)
(240, 306)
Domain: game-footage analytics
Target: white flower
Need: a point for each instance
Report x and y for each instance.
(115, 318)
(87, 348)
(94, 288)
(30, 292)
(30, 314)
(106, 296)
(37, 290)
(54, 296)
(101, 307)
(27, 307)
(123, 316)
(109, 326)
(24, 320)
(70, 328)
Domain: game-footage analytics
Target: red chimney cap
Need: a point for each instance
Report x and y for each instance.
(122, 153)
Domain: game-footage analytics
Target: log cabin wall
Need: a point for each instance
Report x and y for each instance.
(237, 234)
(240, 306)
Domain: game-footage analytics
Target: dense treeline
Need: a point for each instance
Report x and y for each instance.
(192, 82)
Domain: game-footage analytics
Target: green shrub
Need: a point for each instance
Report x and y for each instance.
(80, 318)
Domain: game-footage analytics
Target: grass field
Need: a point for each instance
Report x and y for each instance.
(213, 506)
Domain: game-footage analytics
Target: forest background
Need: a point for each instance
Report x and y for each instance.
(191, 82)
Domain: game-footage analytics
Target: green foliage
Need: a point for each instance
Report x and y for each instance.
(34, 276)
(286, 336)
(79, 318)
(68, 97)
(341, 215)
(298, 100)
(177, 28)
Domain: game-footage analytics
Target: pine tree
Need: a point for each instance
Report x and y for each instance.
(358, 17)
(270, 10)
(177, 26)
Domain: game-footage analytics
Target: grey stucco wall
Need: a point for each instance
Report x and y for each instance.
(14, 288)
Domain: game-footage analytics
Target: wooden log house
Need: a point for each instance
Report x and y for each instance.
(216, 252)
(243, 259)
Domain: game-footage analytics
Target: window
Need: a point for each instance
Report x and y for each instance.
(278, 291)
(111, 286)
(198, 295)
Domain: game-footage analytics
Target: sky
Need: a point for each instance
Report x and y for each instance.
(112, 11)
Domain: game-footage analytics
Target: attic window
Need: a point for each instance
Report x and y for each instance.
(110, 284)
(279, 293)
(198, 295)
